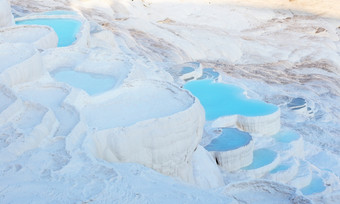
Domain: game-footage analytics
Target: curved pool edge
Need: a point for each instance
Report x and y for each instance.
(266, 125)
(81, 37)
(233, 160)
(165, 144)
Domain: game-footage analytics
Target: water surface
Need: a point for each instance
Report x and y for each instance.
(231, 138)
(262, 157)
(89, 82)
(220, 99)
(65, 28)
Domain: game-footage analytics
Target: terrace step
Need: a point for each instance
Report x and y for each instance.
(303, 176)
(27, 129)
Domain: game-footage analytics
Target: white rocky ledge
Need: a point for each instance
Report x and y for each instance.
(149, 122)
(82, 37)
(42, 37)
(263, 125)
(6, 17)
(19, 63)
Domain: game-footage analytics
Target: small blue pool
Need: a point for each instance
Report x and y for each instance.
(65, 28)
(262, 157)
(316, 186)
(220, 99)
(231, 138)
(89, 82)
(297, 103)
(286, 136)
(281, 167)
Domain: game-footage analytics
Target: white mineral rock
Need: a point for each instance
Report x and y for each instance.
(42, 37)
(19, 63)
(152, 123)
(6, 17)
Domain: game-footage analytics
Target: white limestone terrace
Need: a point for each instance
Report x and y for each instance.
(19, 63)
(72, 28)
(227, 106)
(150, 122)
(52, 95)
(42, 37)
(186, 72)
(264, 160)
(70, 165)
(232, 150)
(6, 17)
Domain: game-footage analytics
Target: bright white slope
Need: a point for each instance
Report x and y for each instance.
(275, 51)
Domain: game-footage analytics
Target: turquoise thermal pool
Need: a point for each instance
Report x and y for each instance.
(286, 136)
(262, 157)
(220, 99)
(65, 28)
(231, 138)
(89, 82)
(315, 186)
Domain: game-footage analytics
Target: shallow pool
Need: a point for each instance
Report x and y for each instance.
(231, 138)
(316, 186)
(286, 136)
(297, 103)
(89, 82)
(281, 167)
(220, 99)
(262, 157)
(65, 28)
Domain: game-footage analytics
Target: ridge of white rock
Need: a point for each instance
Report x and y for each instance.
(266, 125)
(42, 37)
(138, 131)
(235, 159)
(206, 172)
(299, 57)
(285, 175)
(19, 63)
(6, 17)
(82, 36)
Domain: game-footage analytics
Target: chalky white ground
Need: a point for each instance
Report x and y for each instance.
(274, 50)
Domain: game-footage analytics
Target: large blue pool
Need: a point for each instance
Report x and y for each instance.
(89, 82)
(220, 99)
(231, 138)
(65, 28)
